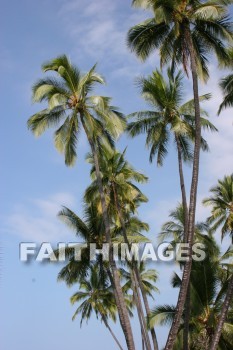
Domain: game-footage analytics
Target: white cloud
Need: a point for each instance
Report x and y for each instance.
(99, 31)
(37, 220)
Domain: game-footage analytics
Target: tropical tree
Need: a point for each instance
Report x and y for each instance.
(148, 278)
(226, 85)
(174, 229)
(96, 296)
(185, 32)
(123, 197)
(119, 180)
(90, 230)
(208, 285)
(221, 201)
(169, 119)
(70, 106)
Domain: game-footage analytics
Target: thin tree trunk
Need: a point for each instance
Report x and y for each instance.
(120, 301)
(147, 307)
(143, 344)
(187, 312)
(182, 187)
(193, 199)
(115, 294)
(141, 317)
(110, 330)
(185, 209)
(223, 315)
(134, 277)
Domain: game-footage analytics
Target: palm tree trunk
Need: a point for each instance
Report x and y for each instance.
(187, 312)
(147, 307)
(120, 301)
(141, 317)
(223, 315)
(135, 275)
(185, 209)
(143, 344)
(110, 330)
(182, 187)
(193, 198)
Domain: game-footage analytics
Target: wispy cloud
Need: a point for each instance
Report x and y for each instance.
(37, 220)
(99, 29)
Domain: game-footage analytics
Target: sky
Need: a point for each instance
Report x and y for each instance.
(35, 309)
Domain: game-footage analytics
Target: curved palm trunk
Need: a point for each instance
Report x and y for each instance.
(110, 330)
(185, 208)
(134, 277)
(223, 315)
(120, 301)
(193, 199)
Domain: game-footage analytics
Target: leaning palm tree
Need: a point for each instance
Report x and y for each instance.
(70, 106)
(221, 201)
(184, 32)
(96, 296)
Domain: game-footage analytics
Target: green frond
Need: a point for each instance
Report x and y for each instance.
(162, 315)
(45, 119)
(147, 36)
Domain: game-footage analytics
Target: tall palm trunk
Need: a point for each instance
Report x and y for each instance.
(110, 330)
(223, 315)
(185, 209)
(134, 276)
(193, 198)
(182, 187)
(141, 317)
(120, 301)
(147, 307)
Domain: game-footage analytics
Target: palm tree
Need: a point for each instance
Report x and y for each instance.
(123, 197)
(118, 179)
(95, 295)
(226, 85)
(147, 280)
(91, 230)
(70, 106)
(148, 277)
(222, 216)
(170, 118)
(184, 31)
(221, 201)
(207, 289)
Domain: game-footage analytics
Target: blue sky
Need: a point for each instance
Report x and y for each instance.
(35, 308)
